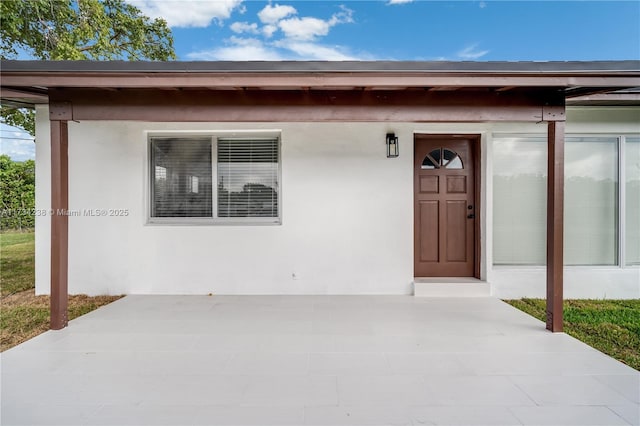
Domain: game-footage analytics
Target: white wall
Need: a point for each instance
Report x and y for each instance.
(347, 214)
(346, 218)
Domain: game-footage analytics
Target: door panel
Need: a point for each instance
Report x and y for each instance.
(456, 231)
(444, 192)
(456, 184)
(429, 247)
(429, 184)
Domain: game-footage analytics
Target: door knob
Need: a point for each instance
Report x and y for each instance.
(471, 216)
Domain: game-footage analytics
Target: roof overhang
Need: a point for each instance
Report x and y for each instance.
(26, 83)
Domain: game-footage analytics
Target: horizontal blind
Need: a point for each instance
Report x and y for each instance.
(247, 178)
(181, 177)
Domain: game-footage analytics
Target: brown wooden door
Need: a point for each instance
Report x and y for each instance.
(444, 191)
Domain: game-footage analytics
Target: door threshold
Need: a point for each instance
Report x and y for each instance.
(450, 287)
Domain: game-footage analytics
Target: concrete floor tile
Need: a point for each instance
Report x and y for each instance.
(427, 364)
(356, 415)
(290, 391)
(31, 413)
(142, 415)
(342, 364)
(390, 390)
(626, 385)
(253, 363)
(474, 391)
(247, 415)
(543, 363)
(628, 412)
(568, 390)
(567, 416)
(463, 416)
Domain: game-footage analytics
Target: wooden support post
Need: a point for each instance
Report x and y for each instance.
(59, 224)
(555, 222)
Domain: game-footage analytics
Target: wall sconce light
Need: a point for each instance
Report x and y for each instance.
(392, 145)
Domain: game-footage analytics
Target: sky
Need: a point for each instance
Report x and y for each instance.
(478, 30)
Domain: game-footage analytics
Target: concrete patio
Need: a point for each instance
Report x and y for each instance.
(312, 360)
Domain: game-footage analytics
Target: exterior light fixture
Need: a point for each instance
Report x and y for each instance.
(392, 145)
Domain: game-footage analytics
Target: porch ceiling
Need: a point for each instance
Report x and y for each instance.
(26, 83)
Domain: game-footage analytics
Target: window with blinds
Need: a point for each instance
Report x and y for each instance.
(181, 177)
(240, 184)
(247, 178)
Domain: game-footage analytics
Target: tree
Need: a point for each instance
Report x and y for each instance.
(75, 30)
(17, 193)
(82, 29)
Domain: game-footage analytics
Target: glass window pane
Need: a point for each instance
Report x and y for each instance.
(248, 178)
(519, 200)
(181, 179)
(428, 164)
(632, 202)
(591, 201)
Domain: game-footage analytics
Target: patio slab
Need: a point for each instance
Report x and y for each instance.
(312, 360)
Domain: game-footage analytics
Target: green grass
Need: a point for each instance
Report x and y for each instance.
(611, 326)
(25, 315)
(17, 262)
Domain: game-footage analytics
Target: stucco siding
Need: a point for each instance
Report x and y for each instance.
(347, 215)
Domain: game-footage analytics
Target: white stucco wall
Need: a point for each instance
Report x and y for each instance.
(347, 215)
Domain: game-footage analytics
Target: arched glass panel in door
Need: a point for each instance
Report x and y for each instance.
(442, 158)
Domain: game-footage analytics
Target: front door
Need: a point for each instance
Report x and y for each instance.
(445, 211)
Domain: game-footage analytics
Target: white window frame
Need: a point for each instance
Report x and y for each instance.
(214, 220)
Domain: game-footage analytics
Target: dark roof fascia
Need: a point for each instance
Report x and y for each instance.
(557, 67)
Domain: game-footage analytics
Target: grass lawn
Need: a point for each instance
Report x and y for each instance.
(17, 260)
(611, 326)
(25, 315)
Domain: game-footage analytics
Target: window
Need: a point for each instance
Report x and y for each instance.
(632, 201)
(442, 157)
(591, 201)
(519, 200)
(240, 185)
(601, 210)
(178, 164)
(247, 178)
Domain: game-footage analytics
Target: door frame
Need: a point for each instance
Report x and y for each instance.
(476, 152)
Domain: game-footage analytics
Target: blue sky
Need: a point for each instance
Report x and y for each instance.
(402, 30)
(390, 30)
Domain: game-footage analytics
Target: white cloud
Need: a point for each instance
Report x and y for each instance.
(482, 5)
(304, 28)
(471, 52)
(269, 30)
(187, 13)
(273, 14)
(303, 50)
(283, 36)
(238, 49)
(253, 49)
(244, 27)
(309, 28)
(399, 2)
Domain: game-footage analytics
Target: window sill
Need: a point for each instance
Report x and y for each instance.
(194, 221)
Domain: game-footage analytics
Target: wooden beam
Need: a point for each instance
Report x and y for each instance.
(59, 224)
(302, 106)
(555, 222)
(315, 79)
